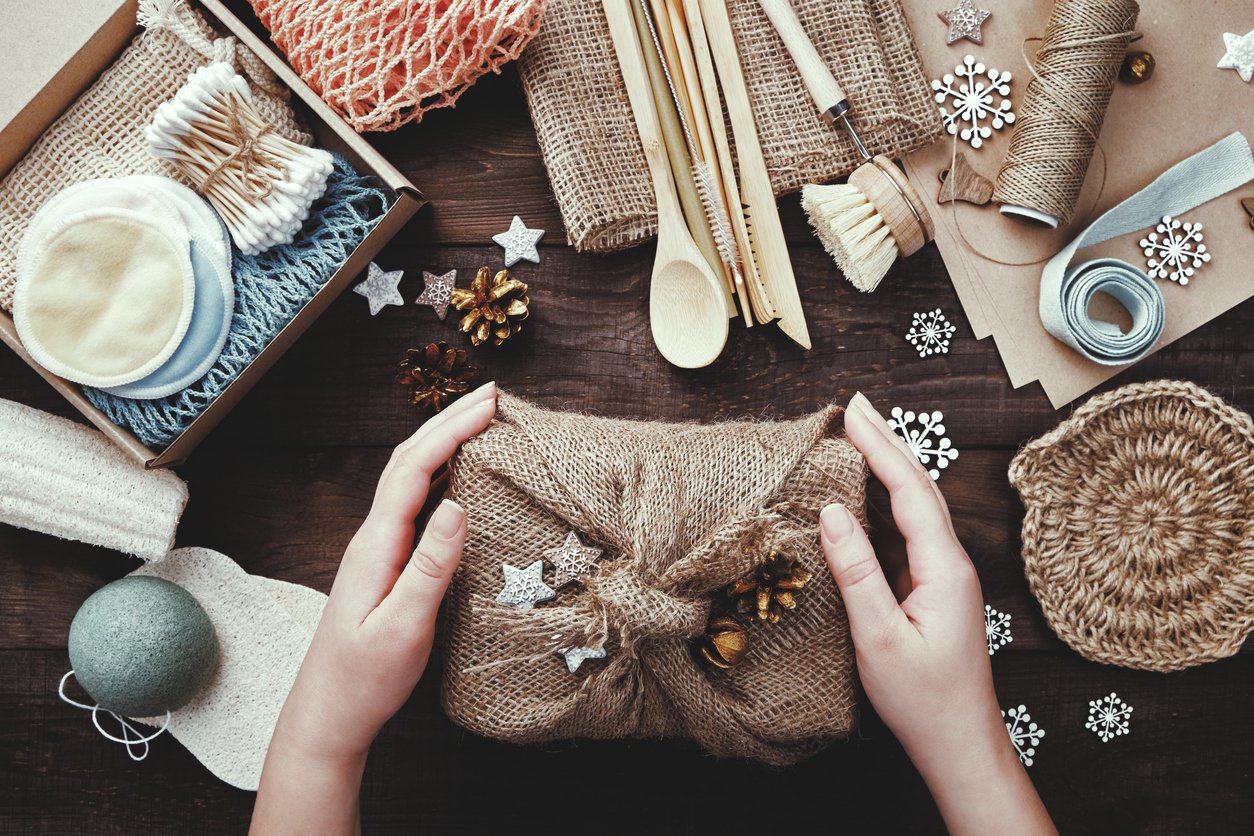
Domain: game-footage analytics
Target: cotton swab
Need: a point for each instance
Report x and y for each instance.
(261, 183)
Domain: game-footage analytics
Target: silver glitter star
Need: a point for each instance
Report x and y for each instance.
(575, 656)
(571, 560)
(1240, 54)
(519, 242)
(965, 21)
(380, 288)
(524, 588)
(438, 292)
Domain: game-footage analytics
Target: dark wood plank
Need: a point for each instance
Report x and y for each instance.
(284, 482)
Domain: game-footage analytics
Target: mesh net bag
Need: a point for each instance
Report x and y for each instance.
(680, 512)
(102, 133)
(589, 141)
(383, 63)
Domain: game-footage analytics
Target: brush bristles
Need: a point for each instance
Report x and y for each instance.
(852, 232)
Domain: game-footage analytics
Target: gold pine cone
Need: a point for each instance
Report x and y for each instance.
(494, 310)
(770, 589)
(436, 375)
(725, 643)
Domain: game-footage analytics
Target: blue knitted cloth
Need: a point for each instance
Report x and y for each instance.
(269, 291)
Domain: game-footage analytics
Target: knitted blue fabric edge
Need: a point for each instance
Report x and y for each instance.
(270, 289)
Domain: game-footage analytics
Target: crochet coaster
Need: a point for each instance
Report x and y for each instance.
(105, 296)
(264, 628)
(1138, 540)
(64, 479)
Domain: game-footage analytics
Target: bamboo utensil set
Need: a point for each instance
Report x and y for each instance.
(680, 65)
(719, 229)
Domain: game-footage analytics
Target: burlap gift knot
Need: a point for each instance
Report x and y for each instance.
(680, 511)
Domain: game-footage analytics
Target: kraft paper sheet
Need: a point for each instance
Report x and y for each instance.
(1186, 106)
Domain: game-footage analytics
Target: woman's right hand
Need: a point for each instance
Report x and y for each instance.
(918, 632)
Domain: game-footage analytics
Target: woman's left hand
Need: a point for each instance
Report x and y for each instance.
(375, 636)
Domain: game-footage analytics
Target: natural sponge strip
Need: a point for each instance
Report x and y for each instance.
(64, 479)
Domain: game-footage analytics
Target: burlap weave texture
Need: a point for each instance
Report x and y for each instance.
(680, 511)
(593, 154)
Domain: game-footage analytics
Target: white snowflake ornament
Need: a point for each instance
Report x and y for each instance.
(381, 288)
(1024, 734)
(1178, 253)
(996, 629)
(1108, 717)
(930, 333)
(924, 434)
(519, 242)
(970, 90)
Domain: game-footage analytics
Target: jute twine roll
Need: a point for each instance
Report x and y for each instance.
(1062, 113)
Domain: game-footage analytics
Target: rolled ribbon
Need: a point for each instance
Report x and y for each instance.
(1066, 290)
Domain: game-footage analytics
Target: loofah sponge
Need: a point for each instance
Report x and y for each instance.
(1138, 540)
(142, 646)
(68, 480)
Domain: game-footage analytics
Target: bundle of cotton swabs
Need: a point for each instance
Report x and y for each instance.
(261, 183)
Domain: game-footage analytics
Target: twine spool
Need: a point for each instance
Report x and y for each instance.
(1064, 107)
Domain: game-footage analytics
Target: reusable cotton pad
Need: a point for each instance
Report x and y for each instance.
(209, 252)
(214, 297)
(104, 297)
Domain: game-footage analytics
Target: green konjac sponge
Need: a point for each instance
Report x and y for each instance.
(142, 646)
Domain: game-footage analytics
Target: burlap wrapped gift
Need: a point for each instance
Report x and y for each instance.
(593, 153)
(680, 512)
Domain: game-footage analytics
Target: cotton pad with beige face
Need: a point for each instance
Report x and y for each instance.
(104, 297)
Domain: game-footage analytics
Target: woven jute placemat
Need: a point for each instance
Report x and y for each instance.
(593, 154)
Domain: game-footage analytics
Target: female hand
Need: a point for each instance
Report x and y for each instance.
(375, 636)
(918, 632)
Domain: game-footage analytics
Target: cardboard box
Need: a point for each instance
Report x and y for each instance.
(108, 40)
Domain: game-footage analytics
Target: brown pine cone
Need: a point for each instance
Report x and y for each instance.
(436, 375)
(494, 309)
(769, 590)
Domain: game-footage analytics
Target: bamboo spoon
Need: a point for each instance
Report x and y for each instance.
(687, 302)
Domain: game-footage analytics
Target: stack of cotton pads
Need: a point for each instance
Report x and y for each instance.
(125, 284)
(261, 183)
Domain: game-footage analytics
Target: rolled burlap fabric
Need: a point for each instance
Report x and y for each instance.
(593, 153)
(680, 511)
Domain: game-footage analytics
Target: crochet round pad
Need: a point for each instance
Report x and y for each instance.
(142, 646)
(1138, 540)
(106, 298)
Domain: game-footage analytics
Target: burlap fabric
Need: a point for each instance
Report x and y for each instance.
(680, 511)
(1138, 540)
(102, 133)
(593, 154)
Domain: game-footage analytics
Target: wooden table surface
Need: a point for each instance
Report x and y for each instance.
(283, 483)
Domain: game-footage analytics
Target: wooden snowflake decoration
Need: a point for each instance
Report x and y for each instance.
(970, 91)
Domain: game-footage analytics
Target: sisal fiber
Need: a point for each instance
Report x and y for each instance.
(1062, 112)
(1138, 540)
(680, 511)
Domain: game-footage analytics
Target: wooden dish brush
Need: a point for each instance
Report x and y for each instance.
(876, 216)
